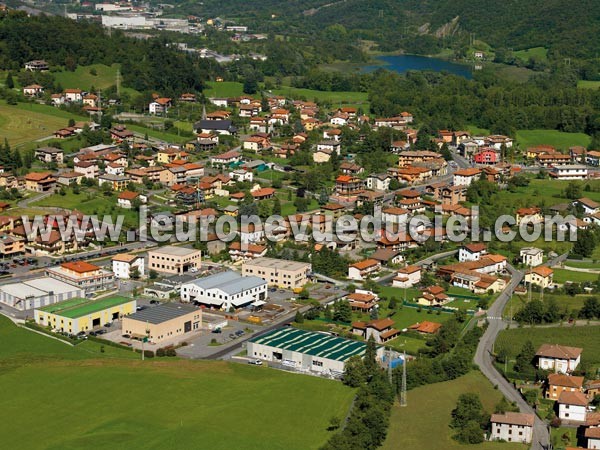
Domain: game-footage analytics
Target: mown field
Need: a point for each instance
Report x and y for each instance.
(27, 122)
(586, 337)
(83, 398)
(82, 78)
(562, 275)
(425, 422)
(559, 139)
(540, 53)
(548, 191)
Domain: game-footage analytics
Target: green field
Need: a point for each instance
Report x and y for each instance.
(559, 139)
(27, 122)
(223, 89)
(586, 337)
(548, 192)
(587, 84)
(562, 275)
(345, 98)
(81, 78)
(84, 398)
(564, 301)
(582, 264)
(425, 422)
(540, 53)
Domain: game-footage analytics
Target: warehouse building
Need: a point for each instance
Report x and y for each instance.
(225, 290)
(81, 314)
(174, 260)
(306, 351)
(165, 321)
(37, 292)
(278, 272)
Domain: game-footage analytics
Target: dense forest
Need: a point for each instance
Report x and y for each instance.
(146, 64)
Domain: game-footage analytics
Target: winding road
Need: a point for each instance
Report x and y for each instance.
(483, 358)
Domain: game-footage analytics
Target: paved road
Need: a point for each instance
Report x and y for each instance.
(483, 358)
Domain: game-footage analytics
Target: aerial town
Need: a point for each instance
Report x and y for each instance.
(223, 224)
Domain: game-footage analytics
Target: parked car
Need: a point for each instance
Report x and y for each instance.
(216, 330)
(239, 332)
(256, 362)
(154, 302)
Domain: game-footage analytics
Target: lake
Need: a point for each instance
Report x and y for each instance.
(404, 63)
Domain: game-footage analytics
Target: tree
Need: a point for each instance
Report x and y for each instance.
(374, 314)
(277, 207)
(134, 273)
(590, 309)
(342, 312)
(355, 373)
(10, 84)
(153, 274)
(250, 85)
(468, 409)
(524, 361)
(299, 317)
(370, 359)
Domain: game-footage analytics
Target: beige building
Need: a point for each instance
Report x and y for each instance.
(165, 321)
(278, 272)
(174, 260)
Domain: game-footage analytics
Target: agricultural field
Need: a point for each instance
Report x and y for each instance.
(425, 422)
(562, 275)
(82, 78)
(114, 401)
(223, 89)
(539, 53)
(564, 301)
(586, 337)
(587, 84)
(559, 139)
(27, 122)
(336, 98)
(582, 264)
(548, 192)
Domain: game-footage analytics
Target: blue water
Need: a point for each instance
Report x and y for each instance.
(404, 63)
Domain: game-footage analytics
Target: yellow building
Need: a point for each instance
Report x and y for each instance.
(81, 314)
(165, 321)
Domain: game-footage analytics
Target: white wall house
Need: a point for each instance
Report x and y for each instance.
(124, 264)
(363, 269)
(225, 290)
(572, 406)
(531, 256)
(379, 181)
(472, 252)
(407, 277)
(558, 358)
(569, 172)
(464, 177)
(512, 427)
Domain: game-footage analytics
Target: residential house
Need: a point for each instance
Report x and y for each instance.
(363, 269)
(426, 327)
(558, 383)
(472, 252)
(322, 156)
(381, 329)
(237, 252)
(348, 186)
(33, 90)
(387, 256)
(530, 215)
(541, 276)
(572, 406)
(127, 199)
(464, 177)
(433, 296)
(40, 181)
(407, 277)
(394, 215)
(69, 178)
(589, 206)
(569, 172)
(331, 146)
(558, 358)
(50, 155)
(125, 265)
(73, 95)
(486, 156)
(116, 182)
(512, 427)
(256, 143)
(37, 65)
(531, 256)
(350, 168)
(379, 181)
(226, 158)
(224, 127)
(89, 169)
(160, 105)
(362, 300)
(90, 100)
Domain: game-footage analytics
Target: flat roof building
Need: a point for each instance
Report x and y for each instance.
(278, 272)
(225, 290)
(37, 292)
(165, 321)
(174, 260)
(81, 314)
(306, 351)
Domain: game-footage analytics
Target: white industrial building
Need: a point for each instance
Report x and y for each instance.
(306, 351)
(37, 292)
(225, 290)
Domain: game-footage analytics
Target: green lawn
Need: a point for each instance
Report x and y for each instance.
(583, 264)
(540, 53)
(548, 191)
(562, 275)
(565, 302)
(223, 89)
(425, 422)
(158, 134)
(167, 403)
(586, 337)
(27, 122)
(345, 98)
(476, 131)
(559, 139)
(587, 84)
(81, 78)
(89, 202)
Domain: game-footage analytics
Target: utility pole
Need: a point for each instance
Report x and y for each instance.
(403, 390)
